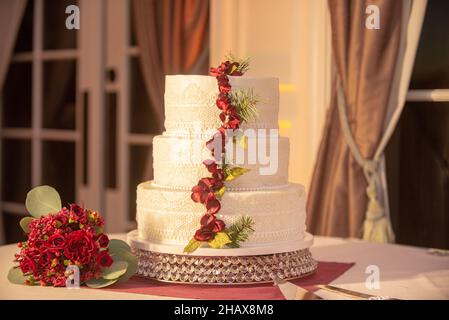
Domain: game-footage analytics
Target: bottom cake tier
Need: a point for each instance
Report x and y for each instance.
(223, 266)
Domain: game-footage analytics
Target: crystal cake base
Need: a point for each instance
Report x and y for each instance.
(223, 270)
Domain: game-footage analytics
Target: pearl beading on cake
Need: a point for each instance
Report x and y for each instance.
(274, 187)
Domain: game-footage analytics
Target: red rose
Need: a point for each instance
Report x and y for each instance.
(28, 265)
(76, 212)
(103, 240)
(56, 242)
(45, 258)
(80, 246)
(104, 260)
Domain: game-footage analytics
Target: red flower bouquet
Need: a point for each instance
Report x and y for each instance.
(64, 239)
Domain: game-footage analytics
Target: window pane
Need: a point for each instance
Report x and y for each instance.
(140, 160)
(17, 96)
(110, 150)
(12, 230)
(16, 170)
(141, 115)
(58, 168)
(431, 69)
(418, 175)
(59, 94)
(56, 35)
(24, 42)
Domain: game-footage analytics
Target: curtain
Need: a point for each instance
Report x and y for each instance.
(173, 38)
(11, 12)
(348, 195)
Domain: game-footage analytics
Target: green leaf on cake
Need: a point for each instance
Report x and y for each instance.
(192, 245)
(100, 283)
(43, 200)
(235, 172)
(240, 231)
(16, 276)
(219, 194)
(24, 224)
(117, 269)
(245, 102)
(219, 241)
(234, 68)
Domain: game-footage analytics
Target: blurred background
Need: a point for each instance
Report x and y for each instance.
(77, 106)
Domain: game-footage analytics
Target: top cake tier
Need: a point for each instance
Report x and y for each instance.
(190, 107)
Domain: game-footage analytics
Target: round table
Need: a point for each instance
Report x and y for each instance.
(404, 272)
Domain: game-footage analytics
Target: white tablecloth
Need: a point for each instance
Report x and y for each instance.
(405, 273)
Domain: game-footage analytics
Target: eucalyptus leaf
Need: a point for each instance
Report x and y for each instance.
(117, 269)
(123, 255)
(100, 283)
(24, 223)
(115, 244)
(43, 200)
(16, 276)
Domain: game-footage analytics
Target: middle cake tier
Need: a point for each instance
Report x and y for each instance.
(177, 163)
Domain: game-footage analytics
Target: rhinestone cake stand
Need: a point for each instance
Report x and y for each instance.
(226, 266)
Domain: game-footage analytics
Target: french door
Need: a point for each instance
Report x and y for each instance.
(75, 114)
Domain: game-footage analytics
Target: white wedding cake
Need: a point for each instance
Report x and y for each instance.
(167, 217)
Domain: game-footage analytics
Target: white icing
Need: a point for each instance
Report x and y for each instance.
(190, 103)
(171, 217)
(177, 162)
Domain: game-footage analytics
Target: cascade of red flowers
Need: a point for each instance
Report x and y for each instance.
(205, 191)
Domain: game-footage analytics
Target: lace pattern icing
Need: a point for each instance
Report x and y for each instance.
(190, 102)
(169, 216)
(177, 162)
(263, 202)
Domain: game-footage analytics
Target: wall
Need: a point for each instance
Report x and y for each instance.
(289, 39)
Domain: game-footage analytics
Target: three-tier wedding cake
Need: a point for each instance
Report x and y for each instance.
(188, 230)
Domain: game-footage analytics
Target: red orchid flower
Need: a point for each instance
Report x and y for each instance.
(217, 172)
(209, 227)
(203, 192)
(212, 204)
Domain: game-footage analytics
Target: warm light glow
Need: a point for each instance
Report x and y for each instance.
(287, 87)
(285, 124)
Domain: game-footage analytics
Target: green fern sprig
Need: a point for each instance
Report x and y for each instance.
(245, 101)
(240, 231)
(243, 63)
